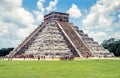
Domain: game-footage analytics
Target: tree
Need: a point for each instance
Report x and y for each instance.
(5, 51)
(112, 45)
(117, 53)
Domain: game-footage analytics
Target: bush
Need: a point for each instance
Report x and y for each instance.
(112, 45)
(5, 51)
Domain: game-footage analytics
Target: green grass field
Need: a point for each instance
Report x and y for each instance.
(60, 69)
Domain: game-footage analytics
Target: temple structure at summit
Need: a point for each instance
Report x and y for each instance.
(56, 36)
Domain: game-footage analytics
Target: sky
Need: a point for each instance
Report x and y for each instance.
(100, 19)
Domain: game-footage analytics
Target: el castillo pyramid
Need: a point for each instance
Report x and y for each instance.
(57, 36)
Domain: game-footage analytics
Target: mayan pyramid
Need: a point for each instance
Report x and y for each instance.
(57, 36)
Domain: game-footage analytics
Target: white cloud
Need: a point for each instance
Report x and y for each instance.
(41, 9)
(119, 16)
(101, 20)
(7, 5)
(99, 36)
(25, 32)
(40, 5)
(14, 20)
(3, 28)
(100, 14)
(116, 35)
(40, 12)
(74, 11)
(8, 35)
(7, 42)
(52, 5)
(39, 16)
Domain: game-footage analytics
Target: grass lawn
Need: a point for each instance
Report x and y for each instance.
(60, 69)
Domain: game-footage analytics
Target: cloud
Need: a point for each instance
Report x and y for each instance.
(102, 21)
(40, 5)
(14, 20)
(39, 13)
(100, 15)
(99, 36)
(74, 11)
(52, 5)
(116, 35)
(119, 16)
(39, 16)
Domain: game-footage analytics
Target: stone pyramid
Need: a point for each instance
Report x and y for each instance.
(57, 36)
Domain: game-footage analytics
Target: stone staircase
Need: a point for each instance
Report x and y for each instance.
(76, 40)
(94, 47)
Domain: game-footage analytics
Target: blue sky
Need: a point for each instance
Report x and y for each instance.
(100, 19)
(62, 5)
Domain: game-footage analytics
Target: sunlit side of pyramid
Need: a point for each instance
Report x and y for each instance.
(57, 36)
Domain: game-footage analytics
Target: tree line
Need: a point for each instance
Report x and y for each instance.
(113, 45)
(5, 51)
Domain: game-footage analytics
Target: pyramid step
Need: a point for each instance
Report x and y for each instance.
(80, 46)
(26, 40)
(57, 35)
